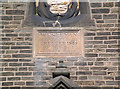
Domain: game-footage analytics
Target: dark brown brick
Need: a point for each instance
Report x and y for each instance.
(110, 42)
(15, 64)
(15, 12)
(10, 69)
(96, 4)
(97, 16)
(83, 73)
(23, 73)
(114, 37)
(6, 18)
(112, 50)
(18, 17)
(20, 47)
(89, 34)
(91, 55)
(112, 16)
(23, 69)
(30, 83)
(22, 55)
(7, 83)
(13, 78)
(83, 78)
(108, 4)
(19, 83)
(80, 64)
(99, 73)
(10, 60)
(103, 33)
(11, 35)
(7, 74)
(100, 10)
(100, 38)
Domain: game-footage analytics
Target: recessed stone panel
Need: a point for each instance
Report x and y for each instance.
(58, 42)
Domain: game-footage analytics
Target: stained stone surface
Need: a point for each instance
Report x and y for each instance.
(54, 42)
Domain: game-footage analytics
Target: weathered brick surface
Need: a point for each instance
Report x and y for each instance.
(99, 66)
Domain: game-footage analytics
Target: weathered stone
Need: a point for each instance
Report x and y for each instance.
(83, 73)
(83, 78)
(89, 34)
(100, 21)
(10, 69)
(86, 82)
(103, 33)
(96, 4)
(18, 17)
(108, 4)
(100, 10)
(21, 55)
(91, 55)
(15, 12)
(13, 78)
(23, 73)
(6, 18)
(100, 38)
(80, 63)
(95, 77)
(25, 51)
(7, 83)
(113, 16)
(23, 69)
(7, 74)
(15, 64)
(29, 83)
(28, 64)
(18, 6)
(21, 47)
(99, 63)
(99, 82)
(97, 16)
(19, 83)
(110, 42)
(99, 73)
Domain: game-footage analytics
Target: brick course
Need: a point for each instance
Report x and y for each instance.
(99, 67)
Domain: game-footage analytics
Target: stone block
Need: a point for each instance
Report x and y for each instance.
(110, 42)
(7, 74)
(15, 64)
(111, 16)
(10, 69)
(97, 16)
(91, 55)
(103, 33)
(7, 83)
(23, 73)
(15, 12)
(83, 78)
(100, 38)
(99, 72)
(21, 55)
(108, 4)
(80, 64)
(19, 83)
(83, 73)
(96, 4)
(100, 10)
(6, 18)
(13, 78)
(20, 47)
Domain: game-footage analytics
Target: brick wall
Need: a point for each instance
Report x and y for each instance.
(99, 67)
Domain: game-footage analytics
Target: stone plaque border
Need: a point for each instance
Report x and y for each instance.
(36, 31)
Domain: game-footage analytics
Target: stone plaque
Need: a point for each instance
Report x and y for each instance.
(53, 42)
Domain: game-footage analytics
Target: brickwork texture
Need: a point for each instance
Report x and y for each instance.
(99, 67)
